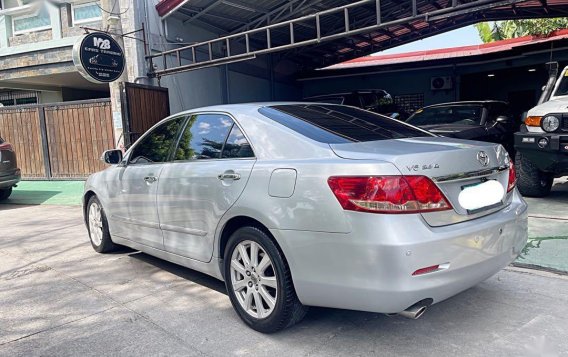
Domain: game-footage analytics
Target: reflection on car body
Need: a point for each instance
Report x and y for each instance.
(489, 121)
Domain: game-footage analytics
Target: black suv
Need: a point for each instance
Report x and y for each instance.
(9, 172)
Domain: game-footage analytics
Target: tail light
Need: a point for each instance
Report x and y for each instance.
(388, 194)
(512, 176)
(6, 146)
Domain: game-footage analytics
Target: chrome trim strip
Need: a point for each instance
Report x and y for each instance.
(135, 222)
(470, 174)
(177, 229)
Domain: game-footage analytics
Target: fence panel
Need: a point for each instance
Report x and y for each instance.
(21, 127)
(77, 135)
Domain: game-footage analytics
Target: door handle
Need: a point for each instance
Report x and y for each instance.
(150, 179)
(229, 176)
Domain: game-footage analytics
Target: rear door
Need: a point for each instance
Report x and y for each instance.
(211, 167)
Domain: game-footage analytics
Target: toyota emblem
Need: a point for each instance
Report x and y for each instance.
(483, 158)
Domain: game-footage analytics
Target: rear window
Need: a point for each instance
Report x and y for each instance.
(335, 124)
(470, 114)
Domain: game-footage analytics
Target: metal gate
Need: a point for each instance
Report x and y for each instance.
(59, 140)
(143, 106)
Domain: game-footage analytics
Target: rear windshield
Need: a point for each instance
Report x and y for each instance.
(453, 114)
(335, 124)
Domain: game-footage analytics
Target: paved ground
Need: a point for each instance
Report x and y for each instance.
(64, 193)
(58, 297)
(548, 230)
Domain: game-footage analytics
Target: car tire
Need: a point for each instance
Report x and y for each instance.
(5, 193)
(530, 180)
(97, 225)
(246, 286)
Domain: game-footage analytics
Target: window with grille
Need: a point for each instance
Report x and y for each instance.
(409, 103)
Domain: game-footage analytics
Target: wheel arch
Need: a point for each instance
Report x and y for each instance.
(232, 225)
(86, 197)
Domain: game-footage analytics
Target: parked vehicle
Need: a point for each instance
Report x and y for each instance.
(486, 120)
(9, 171)
(376, 100)
(542, 143)
(305, 204)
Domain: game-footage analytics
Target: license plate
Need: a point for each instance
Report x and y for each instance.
(481, 195)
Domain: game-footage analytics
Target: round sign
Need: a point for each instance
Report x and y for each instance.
(98, 57)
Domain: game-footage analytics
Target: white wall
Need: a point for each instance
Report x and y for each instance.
(50, 97)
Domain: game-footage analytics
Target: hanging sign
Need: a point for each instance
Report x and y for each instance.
(98, 57)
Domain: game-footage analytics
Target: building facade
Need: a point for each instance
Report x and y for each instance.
(36, 40)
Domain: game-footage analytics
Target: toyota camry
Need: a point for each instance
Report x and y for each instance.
(305, 204)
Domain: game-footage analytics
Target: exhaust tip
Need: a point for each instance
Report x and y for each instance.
(415, 311)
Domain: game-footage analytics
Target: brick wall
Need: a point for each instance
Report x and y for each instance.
(30, 37)
(67, 30)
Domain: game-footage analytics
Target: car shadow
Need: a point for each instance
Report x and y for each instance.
(183, 272)
(25, 197)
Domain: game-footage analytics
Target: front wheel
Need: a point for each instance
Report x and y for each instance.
(530, 180)
(259, 282)
(98, 227)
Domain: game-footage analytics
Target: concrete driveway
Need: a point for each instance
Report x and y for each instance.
(58, 297)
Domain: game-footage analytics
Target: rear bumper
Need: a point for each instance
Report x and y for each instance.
(10, 180)
(370, 269)
(551, 158)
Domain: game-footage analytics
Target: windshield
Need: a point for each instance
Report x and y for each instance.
(334, 124)
(455, 114)
(562, 86)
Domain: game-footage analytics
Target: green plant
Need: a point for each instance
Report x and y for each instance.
(502, 30)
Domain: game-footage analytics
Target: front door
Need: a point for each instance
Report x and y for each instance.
(211, 167)
(134, 210)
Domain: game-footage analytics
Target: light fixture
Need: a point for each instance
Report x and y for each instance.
(532, 69)
(491, 75)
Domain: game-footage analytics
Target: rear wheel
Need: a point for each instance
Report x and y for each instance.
(98, 227)
(5, 193)
(259, 282)
(530, 180)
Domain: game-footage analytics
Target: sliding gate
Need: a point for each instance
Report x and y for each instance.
(60, 140)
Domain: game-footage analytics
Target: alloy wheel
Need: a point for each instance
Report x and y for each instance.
(253, 279)
(95, 223)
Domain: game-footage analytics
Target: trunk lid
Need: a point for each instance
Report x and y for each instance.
(452, 164)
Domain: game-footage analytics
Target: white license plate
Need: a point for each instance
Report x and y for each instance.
(481, 195)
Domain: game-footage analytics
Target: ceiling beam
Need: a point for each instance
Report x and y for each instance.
(209, 7)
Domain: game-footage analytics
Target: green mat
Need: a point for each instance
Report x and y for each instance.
(64, 193)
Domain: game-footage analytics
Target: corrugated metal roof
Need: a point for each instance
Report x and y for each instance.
(453, 52)
(225, 17)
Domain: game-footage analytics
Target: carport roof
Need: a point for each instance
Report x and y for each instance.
(316, 45)
(447, 53)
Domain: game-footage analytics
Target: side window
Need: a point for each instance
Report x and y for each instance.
(237, 146)
(203, 137)
(155, 147)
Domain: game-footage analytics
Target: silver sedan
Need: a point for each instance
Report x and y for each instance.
(304, 204)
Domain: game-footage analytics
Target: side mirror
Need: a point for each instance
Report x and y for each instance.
(112, 157)
(502, 119)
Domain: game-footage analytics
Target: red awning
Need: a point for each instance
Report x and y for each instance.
(165, 6)
(454, 52)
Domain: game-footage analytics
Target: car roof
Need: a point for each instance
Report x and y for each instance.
(358, 91)
(242, 107)
(467, 102)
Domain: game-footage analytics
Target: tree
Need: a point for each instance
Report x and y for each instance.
(503, 30)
